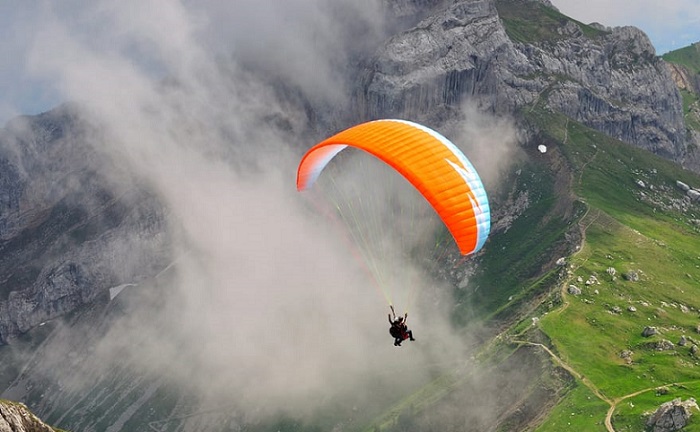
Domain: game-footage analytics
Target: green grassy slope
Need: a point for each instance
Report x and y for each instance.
(517, 257)
(688, 56)
(647, 231)
(532, 22)
(589, 182)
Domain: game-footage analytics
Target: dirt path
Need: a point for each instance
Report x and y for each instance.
(596, 391)
(591, 386)
(613, 405)
(584, 224)
(616, 401)
(588, 219)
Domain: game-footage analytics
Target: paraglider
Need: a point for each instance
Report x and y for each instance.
(435, 166)
(399, 329)
(437, 169)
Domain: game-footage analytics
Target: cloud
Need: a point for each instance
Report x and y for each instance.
(308, 43)
(265, 304)
(491, 143)
(21, 92)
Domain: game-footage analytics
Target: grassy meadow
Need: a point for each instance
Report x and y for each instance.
(639, 266)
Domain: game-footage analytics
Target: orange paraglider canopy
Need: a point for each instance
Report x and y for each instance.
(428, 160)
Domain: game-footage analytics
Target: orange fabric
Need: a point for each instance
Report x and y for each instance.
(421, 159)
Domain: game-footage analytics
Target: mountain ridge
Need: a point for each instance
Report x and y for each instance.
(561, 80)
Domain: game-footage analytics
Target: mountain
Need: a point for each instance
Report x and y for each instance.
(505, 55)
(59, 213)
(77, 236)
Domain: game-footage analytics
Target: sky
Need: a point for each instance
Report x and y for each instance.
(670, 24)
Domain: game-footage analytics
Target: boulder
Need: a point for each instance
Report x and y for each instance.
(592, 280)
(660, 391)
(649, 331)
(574, 290)
(682, 186)
(671, 416)
(662, 345)
(632, 276)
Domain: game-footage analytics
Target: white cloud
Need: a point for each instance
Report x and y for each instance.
(272, 304)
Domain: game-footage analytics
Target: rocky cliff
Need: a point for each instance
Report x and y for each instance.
(684, 66)
(506, 55)
(64, 224)
(15, 417)
(684, 78)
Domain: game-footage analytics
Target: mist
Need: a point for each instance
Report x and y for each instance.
(491, 143)
(264, 305)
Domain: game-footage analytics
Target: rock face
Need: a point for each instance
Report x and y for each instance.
(671, 416)
(684, 79)
(476, 51)
(15, 417)
(458, 52)
(63, 225)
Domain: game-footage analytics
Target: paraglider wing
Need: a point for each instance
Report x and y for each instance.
(433, 164)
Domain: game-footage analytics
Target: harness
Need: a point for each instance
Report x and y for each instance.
(399, 331)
